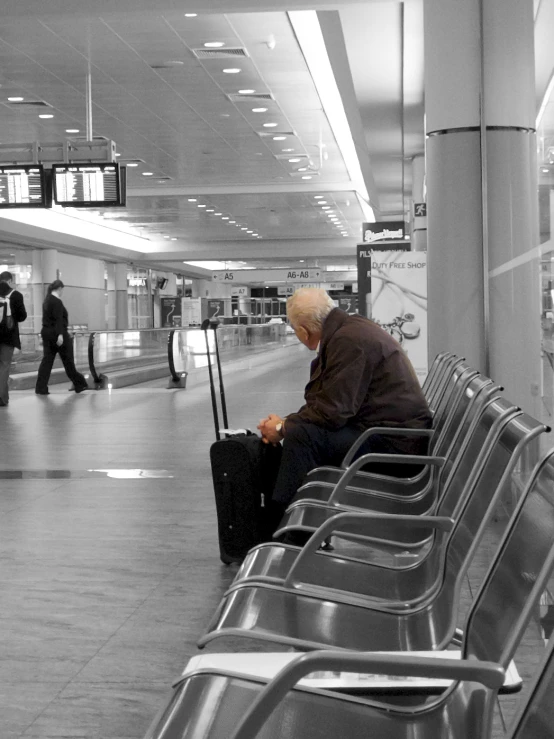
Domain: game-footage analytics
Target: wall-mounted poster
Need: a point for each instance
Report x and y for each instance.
(170, 311)
(398, 301)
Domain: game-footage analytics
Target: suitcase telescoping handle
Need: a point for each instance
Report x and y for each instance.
(214, 325)
(205, 326)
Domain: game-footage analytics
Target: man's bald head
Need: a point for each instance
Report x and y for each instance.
(309, 307)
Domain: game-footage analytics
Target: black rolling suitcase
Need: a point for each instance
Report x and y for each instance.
(244, 471)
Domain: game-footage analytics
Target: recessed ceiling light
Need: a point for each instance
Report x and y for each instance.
(301, 260)
(73, 130)
(246, 92)
(295, 159)
(132, 164)
(259, 110)
(15, 100)
(191, 15)
(225, 218)
(281, 138)
(173, 238)
(302, 169)
(250, 232)
(545, 169)
(217, 214)
(318, 197)
(244, 228)
(322, 202)
(214, 44)
(325, 207)
(253, 234)
(232, 221)
(285, 149)
(166, 237)
(192, 200)
(232, 70)
(201, 205)
(210, 210)
(270, 125)
(147, 174)
(46, 115)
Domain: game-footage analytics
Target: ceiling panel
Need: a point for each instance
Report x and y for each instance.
(164, 106)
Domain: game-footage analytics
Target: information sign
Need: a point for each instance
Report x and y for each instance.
(82, 184)
(21, 187)
(171, 312)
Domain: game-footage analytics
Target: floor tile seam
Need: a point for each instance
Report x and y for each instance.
(33, 500)
(74, 678)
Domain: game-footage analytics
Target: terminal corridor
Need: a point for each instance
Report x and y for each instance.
(106, 582)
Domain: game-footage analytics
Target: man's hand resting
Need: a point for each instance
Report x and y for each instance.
(267, 429)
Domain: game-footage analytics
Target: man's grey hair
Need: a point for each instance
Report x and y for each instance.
(309, 307)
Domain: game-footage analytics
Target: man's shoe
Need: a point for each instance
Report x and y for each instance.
(80, 389)
(38, 392)
(2, 403)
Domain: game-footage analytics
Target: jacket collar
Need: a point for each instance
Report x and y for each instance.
(332, 323)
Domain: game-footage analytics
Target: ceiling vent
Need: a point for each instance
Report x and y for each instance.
(130, 161)
(162, 65)
(27, 104)
(237, 98)
(220, 53)
(271, 134)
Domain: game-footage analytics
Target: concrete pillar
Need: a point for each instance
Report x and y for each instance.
(419, 195)
(110, 296)
(481, 194)
(121, 309)
(50, 271)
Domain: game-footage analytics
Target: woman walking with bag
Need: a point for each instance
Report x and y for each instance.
(56, 340)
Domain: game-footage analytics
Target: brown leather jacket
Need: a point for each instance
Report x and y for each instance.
(362, 378)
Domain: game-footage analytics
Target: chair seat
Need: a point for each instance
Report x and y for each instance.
(307, 621)
(211, 705)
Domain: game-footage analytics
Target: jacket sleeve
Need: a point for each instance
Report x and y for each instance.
(18, 307)
(56, 309)
(342, 389)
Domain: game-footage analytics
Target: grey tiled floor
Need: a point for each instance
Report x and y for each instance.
(106, 584)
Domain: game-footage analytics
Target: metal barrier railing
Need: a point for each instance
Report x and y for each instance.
(182, 349)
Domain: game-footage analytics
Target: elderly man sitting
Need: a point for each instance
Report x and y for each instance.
(360, 378)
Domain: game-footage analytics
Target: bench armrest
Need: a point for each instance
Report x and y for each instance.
(487, 673)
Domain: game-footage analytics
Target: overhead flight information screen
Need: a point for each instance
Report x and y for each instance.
(22, 186)
(82, 185)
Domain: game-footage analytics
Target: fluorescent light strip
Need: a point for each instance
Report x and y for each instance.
(310, 38)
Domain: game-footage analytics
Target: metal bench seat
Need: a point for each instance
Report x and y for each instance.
(458, 526)
(221, 704)
(458, 472)
(475, 394)
(311, 617)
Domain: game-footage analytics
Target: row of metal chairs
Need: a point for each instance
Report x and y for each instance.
(386, 599)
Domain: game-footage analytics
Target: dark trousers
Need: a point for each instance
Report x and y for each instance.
(6, 354)
(66, 355)
(307, 446)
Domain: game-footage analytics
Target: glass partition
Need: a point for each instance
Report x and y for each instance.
(545, 162)
(189, 345)
(114, 350)
(29, 358)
